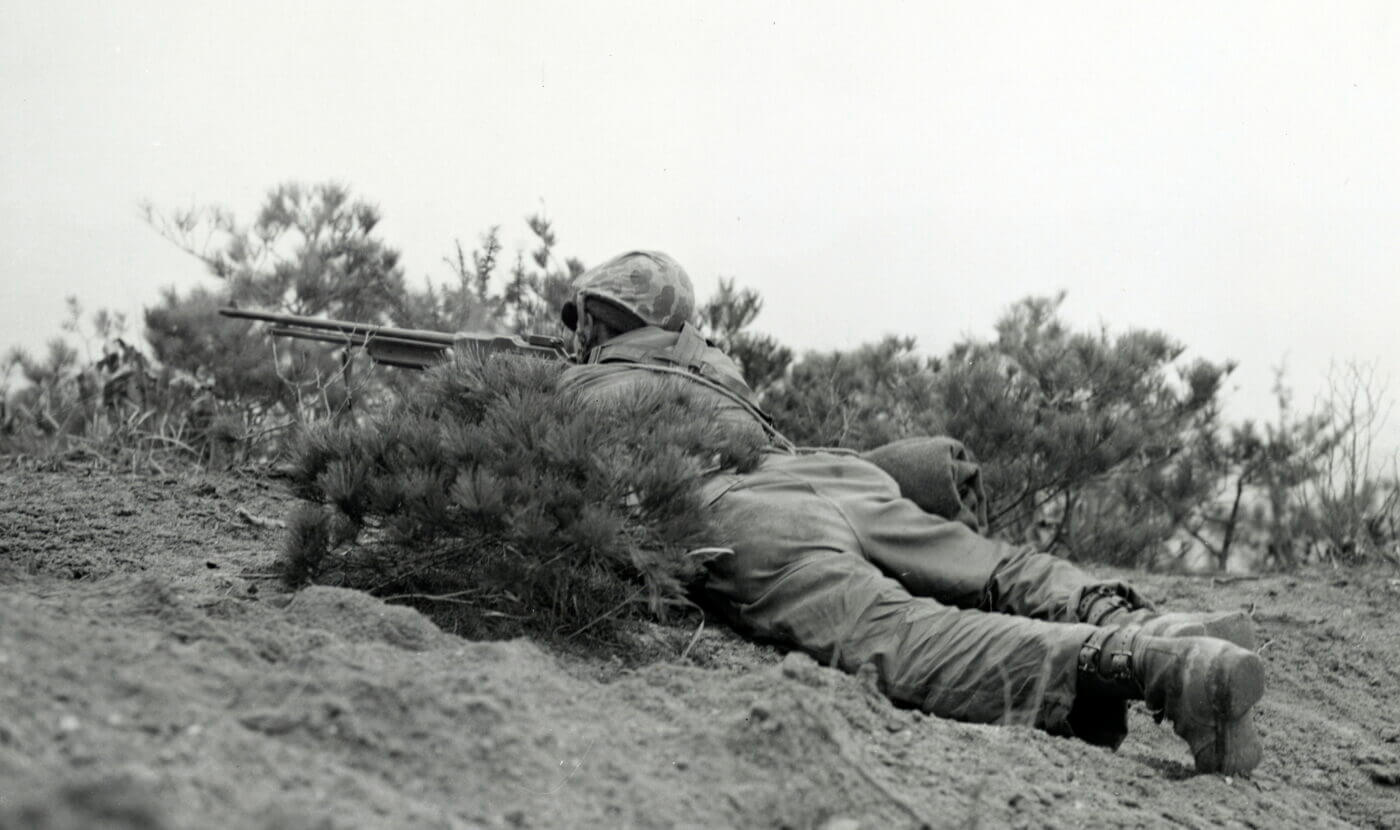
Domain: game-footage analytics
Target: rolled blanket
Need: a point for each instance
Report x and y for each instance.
(938, 474)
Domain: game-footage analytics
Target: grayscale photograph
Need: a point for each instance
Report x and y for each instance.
(721, 414)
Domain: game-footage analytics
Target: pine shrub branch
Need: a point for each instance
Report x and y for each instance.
(535, 511)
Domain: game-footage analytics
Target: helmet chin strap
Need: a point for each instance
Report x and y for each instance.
(583, 330)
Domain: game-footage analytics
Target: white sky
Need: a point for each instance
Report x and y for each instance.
(1225, 172)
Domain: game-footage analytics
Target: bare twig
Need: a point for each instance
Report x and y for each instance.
(258, 521)
(450, 597)
(694, 638)
(609, 613)
(1227, 580)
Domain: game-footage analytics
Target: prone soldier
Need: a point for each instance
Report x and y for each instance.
(831, 557)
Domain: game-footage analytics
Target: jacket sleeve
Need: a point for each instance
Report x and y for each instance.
(938, 474)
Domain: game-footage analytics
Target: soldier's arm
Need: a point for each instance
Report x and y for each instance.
(938, 474)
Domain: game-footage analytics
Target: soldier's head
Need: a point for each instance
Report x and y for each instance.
(638, 288)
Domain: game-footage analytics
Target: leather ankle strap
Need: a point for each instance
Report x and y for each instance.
(1089, 652)
(1100, 602)
(1119, 666)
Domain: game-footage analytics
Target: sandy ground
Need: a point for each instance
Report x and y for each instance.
(152, 676)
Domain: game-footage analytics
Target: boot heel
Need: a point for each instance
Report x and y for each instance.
(1235, 749)
(1237, 683)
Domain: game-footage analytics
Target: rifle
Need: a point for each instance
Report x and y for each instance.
(403, 348)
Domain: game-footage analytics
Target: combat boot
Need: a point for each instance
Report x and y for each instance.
(1234, 626)
(1204, 686)
(1104, 607)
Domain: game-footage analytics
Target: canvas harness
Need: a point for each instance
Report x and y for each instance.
(693, 357)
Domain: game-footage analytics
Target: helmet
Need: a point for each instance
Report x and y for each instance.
(649, 284)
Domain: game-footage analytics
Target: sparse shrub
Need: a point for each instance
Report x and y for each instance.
(116, 408)
(725, 318)
(527, 301)
(859, 399)
(504, 505)
(1080, 434)
(310, 251)
(1351, 509)
(314, 251)
(1248, 509)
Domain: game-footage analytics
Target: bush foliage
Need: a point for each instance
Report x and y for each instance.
(487, 485)
(1079, 433)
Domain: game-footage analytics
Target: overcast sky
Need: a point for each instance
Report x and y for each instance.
(1226, 172)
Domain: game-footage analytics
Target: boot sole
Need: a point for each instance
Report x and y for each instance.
(1236, 683)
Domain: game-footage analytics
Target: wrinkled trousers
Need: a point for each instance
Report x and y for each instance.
(828, 558)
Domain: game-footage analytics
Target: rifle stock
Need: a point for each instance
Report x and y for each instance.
(402, 348)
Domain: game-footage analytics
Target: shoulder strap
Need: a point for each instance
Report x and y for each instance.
(763, 418)
(689, 350)
(620, 353)
(692, 356)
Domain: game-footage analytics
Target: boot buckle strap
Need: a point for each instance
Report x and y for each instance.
(1093, 646)
(1119, 666)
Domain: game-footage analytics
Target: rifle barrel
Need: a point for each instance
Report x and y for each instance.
(317, 335)
(352, 340)
(424, 337)
(406, 348)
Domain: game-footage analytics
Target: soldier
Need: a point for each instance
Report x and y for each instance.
(830, 557)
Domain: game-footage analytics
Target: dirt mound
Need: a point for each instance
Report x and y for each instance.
(172, 686)
(360, 618)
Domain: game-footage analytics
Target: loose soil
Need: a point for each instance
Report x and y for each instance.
(152, 675)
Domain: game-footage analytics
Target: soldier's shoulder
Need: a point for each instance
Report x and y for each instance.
(595, 376)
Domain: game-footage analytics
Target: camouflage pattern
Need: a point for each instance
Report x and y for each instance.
(649, 284)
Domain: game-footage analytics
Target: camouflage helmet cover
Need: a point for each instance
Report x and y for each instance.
(649, 284)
